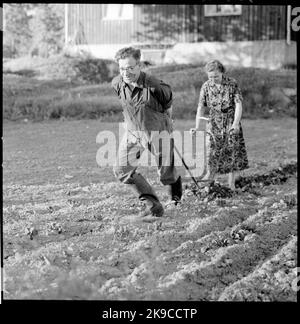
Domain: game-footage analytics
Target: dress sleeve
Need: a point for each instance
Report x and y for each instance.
(203, 96)
(237, 94)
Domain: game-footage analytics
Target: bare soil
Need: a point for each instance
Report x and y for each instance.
(71, 231)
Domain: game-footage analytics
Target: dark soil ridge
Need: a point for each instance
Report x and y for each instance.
(216, 190)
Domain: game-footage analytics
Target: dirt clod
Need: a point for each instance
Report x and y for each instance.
(32, 232)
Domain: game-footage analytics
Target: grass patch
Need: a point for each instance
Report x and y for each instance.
(84, 69)
(58, 91)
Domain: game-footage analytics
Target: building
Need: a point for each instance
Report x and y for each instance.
(248, 35)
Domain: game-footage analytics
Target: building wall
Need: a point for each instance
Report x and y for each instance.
(87, 21)
(170, 24)
(272, 54)
(187, 23)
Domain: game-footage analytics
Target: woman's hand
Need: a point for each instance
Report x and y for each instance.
(193, 130)
(234, 129)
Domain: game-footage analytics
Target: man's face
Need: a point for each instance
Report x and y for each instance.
(129, 69)
(215, 76)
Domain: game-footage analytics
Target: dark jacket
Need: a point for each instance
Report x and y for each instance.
(145, 107)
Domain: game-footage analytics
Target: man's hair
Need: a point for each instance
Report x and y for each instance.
(215, 65)
(127, 52)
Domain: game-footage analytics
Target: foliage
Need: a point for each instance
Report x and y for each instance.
(84, 69)
(17, 35)
(33, 28)
(93, 71)
(49, 22)
(87, 83)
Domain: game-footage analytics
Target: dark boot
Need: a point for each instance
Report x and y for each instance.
(175, 191)
(147, 195)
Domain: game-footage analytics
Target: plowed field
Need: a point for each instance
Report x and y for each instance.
(71, 231)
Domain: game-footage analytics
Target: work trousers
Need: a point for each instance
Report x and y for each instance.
(134, 143)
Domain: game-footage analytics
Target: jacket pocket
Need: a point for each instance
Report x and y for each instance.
(151, 102)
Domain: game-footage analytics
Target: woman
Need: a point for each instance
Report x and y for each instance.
(222, 96)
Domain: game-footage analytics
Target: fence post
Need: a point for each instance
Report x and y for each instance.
(288, 26)
(66, 24)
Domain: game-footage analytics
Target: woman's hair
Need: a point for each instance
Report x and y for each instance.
(127, 52)
(214, 65)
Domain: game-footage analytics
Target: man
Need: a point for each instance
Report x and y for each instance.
(147, 105)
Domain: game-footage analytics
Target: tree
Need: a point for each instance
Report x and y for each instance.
(17, 35)
(32, 27)
(48, 28)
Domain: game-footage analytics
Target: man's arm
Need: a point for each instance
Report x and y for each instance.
(115, 84)
(162, 92)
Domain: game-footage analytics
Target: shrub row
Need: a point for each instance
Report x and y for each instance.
(43, 108)
(84, 69)
(34, 99)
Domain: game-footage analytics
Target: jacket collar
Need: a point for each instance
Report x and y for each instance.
(140, 83)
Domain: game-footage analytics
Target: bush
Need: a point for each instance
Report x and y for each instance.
(85, 108)
(35, 100)
(173, 68)
(31, 108)
(256, 86)
(25, 73)
(93, 70)
(31, 98)
(82, 69)
(290, 66)
(9, 51)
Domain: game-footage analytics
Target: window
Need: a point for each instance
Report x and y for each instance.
(118, 11)
(222, 10)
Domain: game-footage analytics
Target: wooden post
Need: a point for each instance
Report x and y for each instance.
(184, 24)
(66, 24)
(288, 25)
(195, 23)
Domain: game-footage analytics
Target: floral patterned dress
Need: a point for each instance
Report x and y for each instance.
(227, 151)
